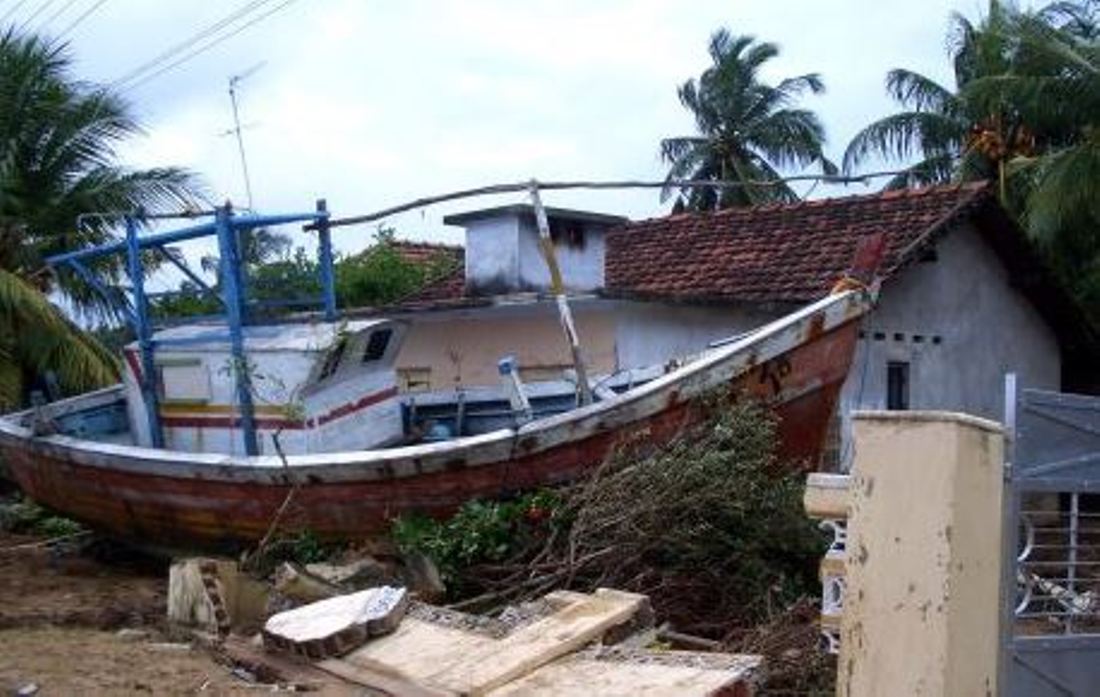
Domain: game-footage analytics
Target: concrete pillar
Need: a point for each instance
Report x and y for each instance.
(923, 567)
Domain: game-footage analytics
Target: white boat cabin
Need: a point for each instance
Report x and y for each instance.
(322, 387)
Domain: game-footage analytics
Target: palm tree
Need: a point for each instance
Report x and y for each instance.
(950, 134)
(1054, 87)
(58, 140)
(748, 130)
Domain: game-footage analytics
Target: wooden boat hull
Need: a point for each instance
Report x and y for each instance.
(186, 500)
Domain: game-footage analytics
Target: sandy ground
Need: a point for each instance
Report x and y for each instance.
(61, 614)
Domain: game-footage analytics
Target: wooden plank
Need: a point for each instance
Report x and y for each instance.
(418, 648)
(381, 678)
(675, 674)
(539, 643)
(271, 667)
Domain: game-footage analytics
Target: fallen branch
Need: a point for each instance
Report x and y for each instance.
(280, 512)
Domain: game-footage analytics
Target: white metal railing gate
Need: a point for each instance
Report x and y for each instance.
(1050, 632)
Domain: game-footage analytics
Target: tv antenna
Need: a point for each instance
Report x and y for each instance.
(234, 82)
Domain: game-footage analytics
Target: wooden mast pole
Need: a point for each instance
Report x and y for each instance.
(546, 246)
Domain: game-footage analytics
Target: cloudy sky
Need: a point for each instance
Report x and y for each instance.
(373, 102)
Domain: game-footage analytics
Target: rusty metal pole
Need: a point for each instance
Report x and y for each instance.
(546, 246)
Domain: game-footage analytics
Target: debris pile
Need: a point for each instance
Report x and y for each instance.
(383, 639)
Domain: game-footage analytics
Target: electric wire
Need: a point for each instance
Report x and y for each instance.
(80, 19)
(141, 75)
(42, 6)
(208, 46)
(62, 10)
(12, 10)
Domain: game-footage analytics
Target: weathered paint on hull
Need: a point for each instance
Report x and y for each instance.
(225, 506)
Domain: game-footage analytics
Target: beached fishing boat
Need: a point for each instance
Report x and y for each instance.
(216, 426)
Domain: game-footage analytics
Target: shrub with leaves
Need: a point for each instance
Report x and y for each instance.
(480, 533)
(710, 526)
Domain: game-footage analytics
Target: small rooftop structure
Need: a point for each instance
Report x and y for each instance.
(503, 256)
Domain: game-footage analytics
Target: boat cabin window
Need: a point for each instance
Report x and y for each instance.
(376, 345)
(332, 359)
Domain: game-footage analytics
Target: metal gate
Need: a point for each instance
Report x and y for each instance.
(1051, 582)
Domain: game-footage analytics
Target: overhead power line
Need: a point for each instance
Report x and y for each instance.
(190, 41)
(83, 16)
(57, 13)
(207, 46)
(42, 6)
(12, 10)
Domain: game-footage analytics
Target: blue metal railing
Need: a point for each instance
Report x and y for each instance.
(232, 292)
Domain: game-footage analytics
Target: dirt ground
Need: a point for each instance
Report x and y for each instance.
(89, 621)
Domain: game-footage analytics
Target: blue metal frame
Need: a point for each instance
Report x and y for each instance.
(324, 256)
(228, 229)
(233, 285)
(144, 333)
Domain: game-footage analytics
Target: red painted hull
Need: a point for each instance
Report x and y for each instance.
(219, 506)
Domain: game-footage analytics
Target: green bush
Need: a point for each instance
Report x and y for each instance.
(24, 516)
(480, 532)
(711, 526)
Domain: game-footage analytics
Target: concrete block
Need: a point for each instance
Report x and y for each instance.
(335, 626)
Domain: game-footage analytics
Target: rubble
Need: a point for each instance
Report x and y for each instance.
(562, 643)
(298, 584)
(334, 626)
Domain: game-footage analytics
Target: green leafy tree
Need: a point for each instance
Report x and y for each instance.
(747, 130)
(1025, 112)
(1054, 88)
(950, 134)
(58, 160)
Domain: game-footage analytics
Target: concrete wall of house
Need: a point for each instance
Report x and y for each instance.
(492, 255)
(956, 321)
(464, 349)
(960, 326)
(581, 265)
(651, 333)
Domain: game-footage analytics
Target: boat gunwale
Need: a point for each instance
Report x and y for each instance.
(546, 433)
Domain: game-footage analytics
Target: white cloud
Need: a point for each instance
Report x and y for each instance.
(371, 103)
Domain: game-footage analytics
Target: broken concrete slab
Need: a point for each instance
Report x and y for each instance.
(335, 626)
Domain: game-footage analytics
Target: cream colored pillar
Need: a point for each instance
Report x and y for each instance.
(923, 566)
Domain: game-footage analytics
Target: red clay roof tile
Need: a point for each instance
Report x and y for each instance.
(785, 253)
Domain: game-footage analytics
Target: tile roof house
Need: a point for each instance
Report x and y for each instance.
(965, 298)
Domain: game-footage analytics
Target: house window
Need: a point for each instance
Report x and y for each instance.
(567, 233)
(376, 345)
(332, 359)
(414, 379)
(897, 385)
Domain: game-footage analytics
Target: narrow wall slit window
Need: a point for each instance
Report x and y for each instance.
(897, 385)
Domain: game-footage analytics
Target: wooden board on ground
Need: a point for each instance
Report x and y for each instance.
(278, 667)
(613, 672)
